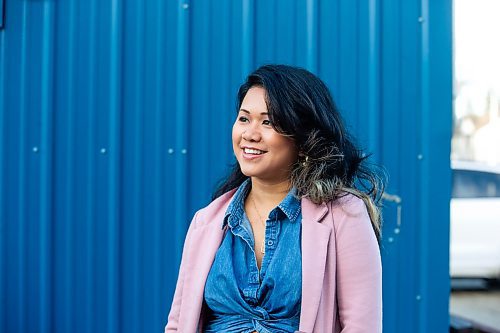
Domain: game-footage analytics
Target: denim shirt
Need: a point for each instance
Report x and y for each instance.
(239, 297)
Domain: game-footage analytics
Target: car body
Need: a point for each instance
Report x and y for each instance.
(475, 221)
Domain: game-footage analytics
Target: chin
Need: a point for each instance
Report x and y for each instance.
(249, 173)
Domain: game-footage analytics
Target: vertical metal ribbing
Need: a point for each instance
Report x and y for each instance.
(181, 134)
(312, 35)
(338, 51)
(374, 137)
(69, 256)
(357, 71)
(423, 171)
(2, 13)
(47, 110)
(3, 225)
(204, 97)
(90, 158)
(90, 222)
(435, 23)
(437, 69)
(114, 164)
(21, 324)
(248, 35)
(137, 183)
(157, 217)
(92, 326)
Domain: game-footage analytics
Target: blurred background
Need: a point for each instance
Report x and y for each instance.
(475, 161)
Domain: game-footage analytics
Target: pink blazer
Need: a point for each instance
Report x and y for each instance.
(341, 268)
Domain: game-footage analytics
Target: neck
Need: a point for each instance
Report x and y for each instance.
(269, 194)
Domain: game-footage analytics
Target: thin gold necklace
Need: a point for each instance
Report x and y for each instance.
(262, 246)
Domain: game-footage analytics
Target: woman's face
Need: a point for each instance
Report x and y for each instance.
(261, 152)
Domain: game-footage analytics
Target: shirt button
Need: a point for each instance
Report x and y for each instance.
(270, 243)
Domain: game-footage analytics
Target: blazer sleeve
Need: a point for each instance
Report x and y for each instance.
(173, 317)
(359, 270)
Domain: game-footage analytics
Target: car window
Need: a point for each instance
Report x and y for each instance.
(475, 184)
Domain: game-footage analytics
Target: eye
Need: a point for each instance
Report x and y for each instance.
(243, 119)
(266, 122)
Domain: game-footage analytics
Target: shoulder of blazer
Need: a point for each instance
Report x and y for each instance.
(347, 207)
(213, 212)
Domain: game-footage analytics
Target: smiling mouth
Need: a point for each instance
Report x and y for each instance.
(253, 151)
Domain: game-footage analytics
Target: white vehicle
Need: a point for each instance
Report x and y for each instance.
(475, 221)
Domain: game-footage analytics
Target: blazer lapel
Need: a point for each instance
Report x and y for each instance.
(315, 237)
(206, 240)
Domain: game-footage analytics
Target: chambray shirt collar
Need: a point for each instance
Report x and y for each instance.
(289, 206)
(235, 210)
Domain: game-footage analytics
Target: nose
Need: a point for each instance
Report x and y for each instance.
(251, 134)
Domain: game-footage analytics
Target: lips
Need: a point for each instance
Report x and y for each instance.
(253, 151)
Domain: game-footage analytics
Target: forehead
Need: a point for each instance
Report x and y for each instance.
(254, 101)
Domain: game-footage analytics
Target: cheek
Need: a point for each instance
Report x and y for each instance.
(235, 136)
(292, 151)
(291, 155)
(288, 151)
(234, 132)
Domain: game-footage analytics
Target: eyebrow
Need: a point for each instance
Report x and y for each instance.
(262, 113)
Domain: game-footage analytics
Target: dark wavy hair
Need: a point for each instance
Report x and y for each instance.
(330, 165)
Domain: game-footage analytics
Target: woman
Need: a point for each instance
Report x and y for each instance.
(289, 242)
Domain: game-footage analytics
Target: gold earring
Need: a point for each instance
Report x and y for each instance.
(305, 161)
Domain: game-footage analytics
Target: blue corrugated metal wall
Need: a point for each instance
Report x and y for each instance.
(115, 124)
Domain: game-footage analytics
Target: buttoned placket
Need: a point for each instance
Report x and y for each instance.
(243, 230)
(273, 227)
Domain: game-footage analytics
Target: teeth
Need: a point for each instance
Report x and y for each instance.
(253, 151)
